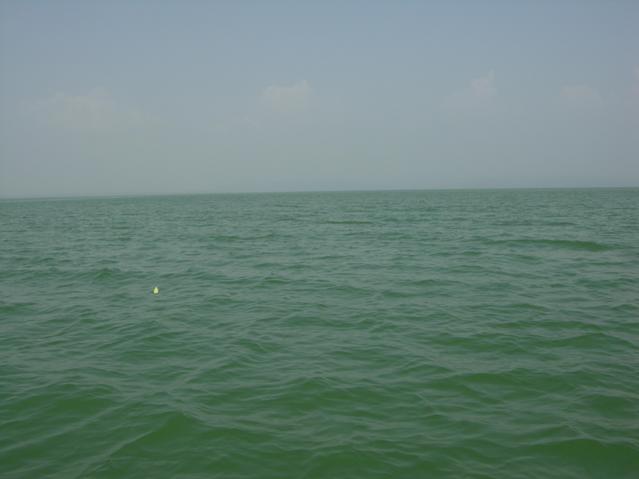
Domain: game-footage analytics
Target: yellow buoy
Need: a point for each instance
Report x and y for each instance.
(156, 290)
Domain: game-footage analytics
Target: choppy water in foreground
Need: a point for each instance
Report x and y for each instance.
(414, 334)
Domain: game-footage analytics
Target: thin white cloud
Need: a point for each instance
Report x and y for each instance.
(483, 88)
(287, 99)
(581, 96)
(95, 110)
(478, 95)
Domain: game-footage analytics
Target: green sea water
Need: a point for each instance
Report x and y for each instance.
(416, 334)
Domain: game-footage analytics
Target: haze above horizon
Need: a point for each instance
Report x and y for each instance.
(187, 97)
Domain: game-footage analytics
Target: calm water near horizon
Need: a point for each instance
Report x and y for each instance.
(398, 334)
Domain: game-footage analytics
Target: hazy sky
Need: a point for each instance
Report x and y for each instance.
(124, 97)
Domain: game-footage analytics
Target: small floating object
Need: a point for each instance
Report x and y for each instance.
(156, 290)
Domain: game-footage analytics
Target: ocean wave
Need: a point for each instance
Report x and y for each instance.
(576, 245)
(348, 222)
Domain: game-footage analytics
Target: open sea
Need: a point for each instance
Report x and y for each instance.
(405, 334)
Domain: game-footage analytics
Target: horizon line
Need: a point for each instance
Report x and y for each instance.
(263, 192)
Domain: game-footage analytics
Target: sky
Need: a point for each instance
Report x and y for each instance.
(164, 97)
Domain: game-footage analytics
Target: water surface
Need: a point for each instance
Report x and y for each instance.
(406, 334)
